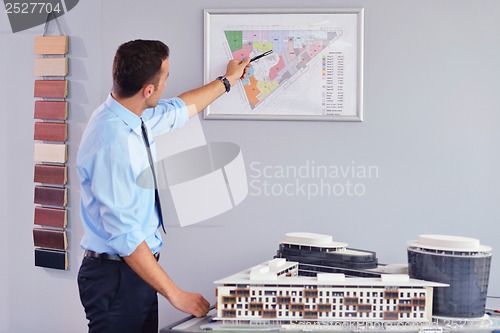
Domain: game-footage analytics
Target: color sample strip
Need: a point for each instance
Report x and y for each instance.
(52, 153)
(51, 217)
(52, 110)
(47, 131)
(51, 196)
(51, 67)
(51, 259)
(50, 174)
(51, 45)
(51, 88)
(50, 238)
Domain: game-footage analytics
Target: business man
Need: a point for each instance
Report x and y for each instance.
(120, 276)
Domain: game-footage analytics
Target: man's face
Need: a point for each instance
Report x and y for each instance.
(152, 101)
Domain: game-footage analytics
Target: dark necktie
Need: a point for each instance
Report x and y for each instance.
(151, 164)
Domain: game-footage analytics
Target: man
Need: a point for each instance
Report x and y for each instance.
(119, 277)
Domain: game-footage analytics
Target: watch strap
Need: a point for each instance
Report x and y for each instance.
(226, 83)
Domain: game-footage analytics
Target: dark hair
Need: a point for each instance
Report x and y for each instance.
(136, 64)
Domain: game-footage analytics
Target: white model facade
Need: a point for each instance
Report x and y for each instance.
(273, 293)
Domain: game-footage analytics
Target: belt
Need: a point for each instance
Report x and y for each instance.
(112, 257)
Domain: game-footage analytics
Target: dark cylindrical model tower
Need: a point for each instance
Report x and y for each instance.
(462, 263)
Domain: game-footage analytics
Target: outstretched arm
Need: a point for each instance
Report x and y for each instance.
(199, 98)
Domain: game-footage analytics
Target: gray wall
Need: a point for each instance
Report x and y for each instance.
(431, 108)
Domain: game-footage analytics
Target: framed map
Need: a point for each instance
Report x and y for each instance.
(315, 70)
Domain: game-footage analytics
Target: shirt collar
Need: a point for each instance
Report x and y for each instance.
(127, 116)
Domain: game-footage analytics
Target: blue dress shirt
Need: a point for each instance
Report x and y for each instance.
(117, 213)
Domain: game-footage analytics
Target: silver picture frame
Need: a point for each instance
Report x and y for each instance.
(319, 77)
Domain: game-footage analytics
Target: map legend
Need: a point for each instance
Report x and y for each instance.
(333, 83)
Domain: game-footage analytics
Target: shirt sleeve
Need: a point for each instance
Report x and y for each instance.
(118, 199)
(166, 116)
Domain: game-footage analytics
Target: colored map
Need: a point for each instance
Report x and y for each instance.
(292, 51)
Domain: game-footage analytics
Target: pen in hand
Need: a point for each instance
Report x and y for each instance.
(261, 55)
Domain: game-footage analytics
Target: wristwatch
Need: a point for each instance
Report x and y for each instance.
(224, 80)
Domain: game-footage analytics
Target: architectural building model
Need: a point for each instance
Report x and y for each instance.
(302, 285)
(319, 253)
(274, 293)
(462, 263)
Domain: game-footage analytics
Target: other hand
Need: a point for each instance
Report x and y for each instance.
(191, 303)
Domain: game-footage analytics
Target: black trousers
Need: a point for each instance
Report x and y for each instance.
(116, 299)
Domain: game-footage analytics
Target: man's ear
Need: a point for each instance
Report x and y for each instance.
(148, 90)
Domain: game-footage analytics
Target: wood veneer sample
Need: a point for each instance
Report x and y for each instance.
(50, 238)
(51, 174)
(47, 131)
(51, 196)
(51, 88)
(52, 153)
(51, 44)
(51, 259)
(51, 217)
(51, 66)
(51, 110)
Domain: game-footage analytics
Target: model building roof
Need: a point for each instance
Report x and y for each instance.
(268, 272)
(449, 243)
(312, 239)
